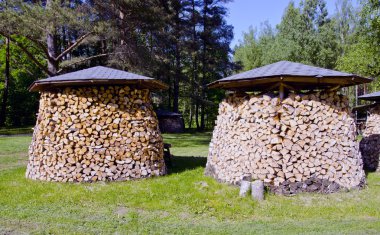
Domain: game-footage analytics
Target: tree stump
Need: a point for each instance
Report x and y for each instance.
(257, 190)
(245, 188)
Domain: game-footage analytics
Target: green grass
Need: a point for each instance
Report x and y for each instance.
(15, 131)
(189, 144)
(184, 202)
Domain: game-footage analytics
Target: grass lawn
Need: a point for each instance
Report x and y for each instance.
(184, 202)
(15, 131)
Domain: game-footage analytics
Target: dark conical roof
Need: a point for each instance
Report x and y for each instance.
(375, 96)
(295, 74)
(98, 75)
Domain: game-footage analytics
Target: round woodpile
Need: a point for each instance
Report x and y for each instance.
(370, 144)
(307, 143)
(98, 133)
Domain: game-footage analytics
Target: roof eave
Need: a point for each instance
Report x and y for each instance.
(373, 98)
(363, 107)
(144, 83)
(343, 81)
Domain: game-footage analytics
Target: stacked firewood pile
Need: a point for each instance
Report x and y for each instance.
(370, 144)
(285, 144)
(95, 133)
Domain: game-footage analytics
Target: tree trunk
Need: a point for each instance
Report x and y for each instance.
(6, 84)
(203, 126)
(203, 113)
(121, 16)
(194, 49)
(169, 93)
(52, 50)
(51, 41)
(197, 114)
(203, 81)
(191, 115)
(177, 63)
(176, 81)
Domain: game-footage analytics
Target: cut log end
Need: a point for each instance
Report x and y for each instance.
(104, 133)
(302, 137)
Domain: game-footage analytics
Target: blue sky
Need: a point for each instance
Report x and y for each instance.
(244, 13)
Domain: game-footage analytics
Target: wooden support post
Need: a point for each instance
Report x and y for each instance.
(333, 88)
(356, 101)
(287, 86)
(356, 95)
(271, 88)
(282, 91)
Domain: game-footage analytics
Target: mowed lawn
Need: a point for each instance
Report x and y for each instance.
(184, 202)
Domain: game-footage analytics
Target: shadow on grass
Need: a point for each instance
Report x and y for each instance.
(181, 164)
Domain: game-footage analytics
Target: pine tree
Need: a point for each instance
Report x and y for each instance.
(55, 27)
(215, 39)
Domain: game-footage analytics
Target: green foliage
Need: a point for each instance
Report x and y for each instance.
(356, 58)
(349, 40)
(22, 105)
(362, 52)
(328, 46)
(28, 25)
(65, 33)
(198, 39)
(18, 16)
(184, 202)
(184, 43)
(290, 42)
(363, 55)
(346, 21)
(305, 35)
(249, 52)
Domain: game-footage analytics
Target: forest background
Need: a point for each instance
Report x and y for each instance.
(184, 43)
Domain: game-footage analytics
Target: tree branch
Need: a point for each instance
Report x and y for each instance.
(70, 48)
(23, 67)
(86, 59)
(29, 54)
(40, 45)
